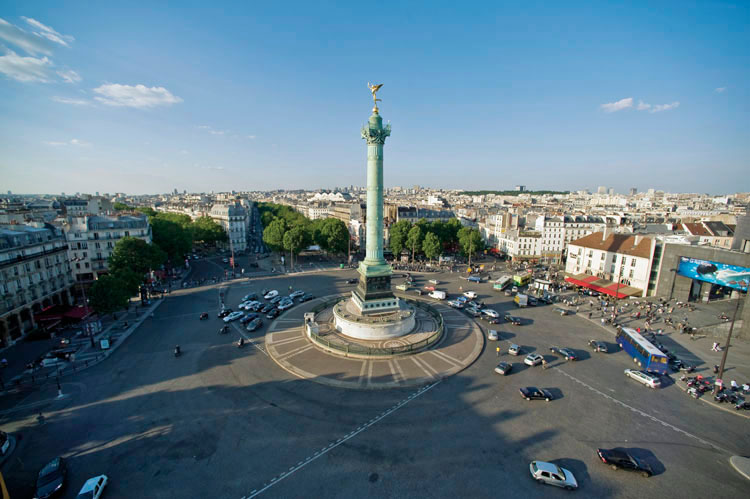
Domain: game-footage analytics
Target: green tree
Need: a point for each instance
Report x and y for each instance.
(135, 255)
(130, 280)
(450, 232)
(470, 241)
(334, 236)
(171, 236)
(120, 206)
(206, 230)
(180, 219)
(431, 246)
(108, 294)
(273, 234)
(398, 234)
(294, 240)
(414, 240)
(146, 210)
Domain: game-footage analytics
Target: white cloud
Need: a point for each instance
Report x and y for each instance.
(78, 142)
(642, 106)
(621, 104)
(23, 40)
(72, 142)
(251, 137)
(138, 96)
(663, 107)
(48, 33)
(53, 143)
(74, 102)
(720, 90)
(25, 68)
(212, 130)
(69, 76)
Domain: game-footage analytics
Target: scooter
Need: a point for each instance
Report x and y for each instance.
(224, 330)
(241, 343)
(177, 351)
(204, 316)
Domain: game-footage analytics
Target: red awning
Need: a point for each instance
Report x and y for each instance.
(601, 285)
(79, 313)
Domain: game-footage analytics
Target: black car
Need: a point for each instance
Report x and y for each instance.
(247, 318)
(267, 308)
(224, 312)
(251, 297)
(619, 459)
(306, 297)
(272, 314)
(492, 320)
(51, 479)
(513, 320)
(254, 324)
(598, 346)
(567, 353)
(534, 393)
(352, 281)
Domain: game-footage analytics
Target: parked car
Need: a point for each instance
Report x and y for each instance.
(296, 294)
(306, 297)
(456, 304)
(248, 317)
(51, 479)
(516, 321)
(475, 279)
(250, 297)
(598, 346)
(493, 335)
(254, 324)
(514, 349)
(648, 379)
(504, 368)
(566, 353)
(619, 459)
(552, 474)
(93, 488)
(490, 313)
(470, 295)
(224, 312)
(352, 281)
(533, 359)
(233, 316)
(275, 299)
(285, 305)
(271, 294)
(534, 393)
(273, 313)
(267, 308)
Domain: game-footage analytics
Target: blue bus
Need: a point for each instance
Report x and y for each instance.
(644, 353)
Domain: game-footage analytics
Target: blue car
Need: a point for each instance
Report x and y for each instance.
(474, 279)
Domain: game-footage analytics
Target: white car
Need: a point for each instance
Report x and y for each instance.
(552, 474)
(648, 379)
(93, 488)
(470, 295)
(456, 304)
(297, 294)
(233, 316)
(514, 349)
(533, 359)
(490, 313)
(285, 305)
(271, 294)
(492, 335)
(245, 305)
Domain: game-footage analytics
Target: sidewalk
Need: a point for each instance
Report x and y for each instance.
(741, 464)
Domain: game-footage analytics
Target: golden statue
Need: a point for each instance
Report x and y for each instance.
(374, 89)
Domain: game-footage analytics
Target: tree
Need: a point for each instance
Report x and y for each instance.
(130, 280)
(431, 246)
(273, 234)
(108, 294)
(171, 236)
(450, 232)
(470, 241)
(334, 236)
(398, 234)
(146, 210)
(206, 230)
(135, 255)
(294, 240)
(414, 240)
(120, 206)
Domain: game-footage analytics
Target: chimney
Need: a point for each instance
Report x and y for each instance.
(638, 239)
(608, 229)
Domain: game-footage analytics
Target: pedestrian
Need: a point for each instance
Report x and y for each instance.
(589, 315)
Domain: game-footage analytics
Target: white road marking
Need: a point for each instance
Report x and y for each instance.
(445, 357)
(641, 413)
(424, 366)
(296, 351)
(339, 441)
(393, 372)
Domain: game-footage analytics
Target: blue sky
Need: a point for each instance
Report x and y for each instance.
(143, 97)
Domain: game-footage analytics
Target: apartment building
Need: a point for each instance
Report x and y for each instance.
(235, 219)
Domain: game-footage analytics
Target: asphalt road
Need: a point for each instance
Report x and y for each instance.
(227, 422)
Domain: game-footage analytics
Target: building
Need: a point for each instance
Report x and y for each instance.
(521, 245)
(711, 233)
(414, 215)
(36, 274)
(235, 219)
(91, 240)
(614, 264)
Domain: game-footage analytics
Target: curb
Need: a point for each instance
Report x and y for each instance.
(720, 407)
(741, 465)
(12, 447)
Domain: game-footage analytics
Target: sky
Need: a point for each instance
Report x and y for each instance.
(146, 97)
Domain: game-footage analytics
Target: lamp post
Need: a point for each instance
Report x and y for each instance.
(720, 376)
(674, 278)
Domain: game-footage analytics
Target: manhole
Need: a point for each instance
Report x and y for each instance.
(373, 477)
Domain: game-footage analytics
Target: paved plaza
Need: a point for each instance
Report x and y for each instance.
(226, 422)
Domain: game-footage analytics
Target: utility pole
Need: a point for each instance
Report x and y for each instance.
(726, 347)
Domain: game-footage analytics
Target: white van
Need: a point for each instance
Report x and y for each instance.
(438, 295)
(434, 282)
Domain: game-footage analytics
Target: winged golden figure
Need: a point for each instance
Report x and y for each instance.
(374, 89)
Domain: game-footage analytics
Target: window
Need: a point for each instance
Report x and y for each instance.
(632, 273)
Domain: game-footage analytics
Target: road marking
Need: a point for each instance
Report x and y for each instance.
(369, 372)
(339, 441)
(642, 413)
(298, 350)
(296, 337)
(398, 368)
(424, 366)
(393, 372)
(362, 372)
(447, 358)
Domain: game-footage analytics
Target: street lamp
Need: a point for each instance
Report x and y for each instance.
(720, 376)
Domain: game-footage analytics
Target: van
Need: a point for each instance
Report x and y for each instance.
(434, 282)
(521, 300)
(438, 295)
(402, 287)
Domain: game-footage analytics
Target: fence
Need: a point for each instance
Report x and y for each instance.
(38, 379)
(372, 351)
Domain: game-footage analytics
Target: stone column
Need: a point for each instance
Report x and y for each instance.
(375, 135)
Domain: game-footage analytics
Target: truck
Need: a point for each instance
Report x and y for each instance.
(521, 300)
(402, 287)
(438, 295)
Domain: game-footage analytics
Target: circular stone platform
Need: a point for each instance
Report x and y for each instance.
(350, 322)
(289, 346)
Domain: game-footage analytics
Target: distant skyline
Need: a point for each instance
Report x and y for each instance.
(138, 99)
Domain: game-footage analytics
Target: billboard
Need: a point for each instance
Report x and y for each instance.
(731, 276)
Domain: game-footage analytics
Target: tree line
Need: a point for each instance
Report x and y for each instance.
(433, 239)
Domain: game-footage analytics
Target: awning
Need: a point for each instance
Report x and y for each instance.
(604, 286)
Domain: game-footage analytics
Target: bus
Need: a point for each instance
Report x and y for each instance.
(502, 283)
(644, 353)
(521, 279)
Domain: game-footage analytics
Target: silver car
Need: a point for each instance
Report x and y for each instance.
(514, 349)
(552, 474)
(492, 335)
(533, 359)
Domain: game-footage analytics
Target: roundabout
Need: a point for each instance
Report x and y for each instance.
(442, 343)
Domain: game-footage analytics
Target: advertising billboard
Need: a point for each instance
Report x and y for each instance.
(723, 274)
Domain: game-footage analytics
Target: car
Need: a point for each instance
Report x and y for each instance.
(474, 279)
(51, 479)
(250, 297)
(463, 299)
(648, 379)
(456, 304)
(266, 308)
(273, 313)
(254, 324)
(224, 312)
(255, 306)
(248, 317)
(275, 299)
(514, 349)
(490, 313)
(284, 306)
(598, 346)
(492, 320)
(245, 305)
(93, 488)
(297, 294)
(534, 393)
(533, 359)
(493, 335)
(619, 459)
(271, 294)
(470, 295)
(306, 297)
(352, 281)
(552, 474)
(225, 260)
(566, 353)
(516, 321)
(472, 311)
(503, 368)
(233, 316)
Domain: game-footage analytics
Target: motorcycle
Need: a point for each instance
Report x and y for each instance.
(224, 330)
(241, 343)
(204, 316)
(177, 351)
(693, 392)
